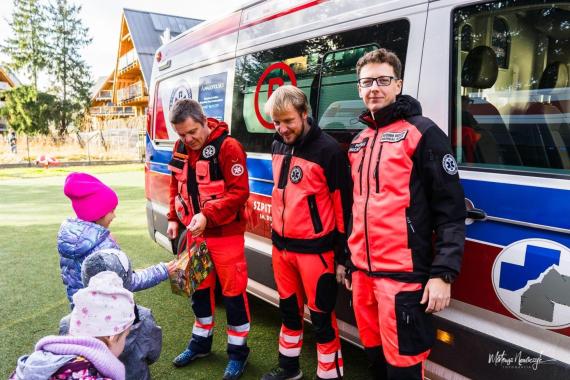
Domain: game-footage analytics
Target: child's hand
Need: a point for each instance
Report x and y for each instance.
(171, 267)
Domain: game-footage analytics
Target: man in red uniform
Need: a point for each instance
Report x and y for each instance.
(406, 188)
(208, 191)
(310, 199)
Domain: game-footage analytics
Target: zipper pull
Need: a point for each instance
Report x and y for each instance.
(410, 224)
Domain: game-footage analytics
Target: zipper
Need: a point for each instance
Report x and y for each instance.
(283, 184)
(323, 261)
(314, 211)
(410, 224)
(360, 167)
(366, 205)
(377, 169)
(183, 204)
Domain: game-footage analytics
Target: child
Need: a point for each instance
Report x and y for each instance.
(94, 204)
(99, 326)
(144, 342)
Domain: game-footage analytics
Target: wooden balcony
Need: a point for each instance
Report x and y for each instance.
(113, 111)
(104, 95)
(135, 93)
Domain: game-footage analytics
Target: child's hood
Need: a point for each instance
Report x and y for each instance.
(40, 365)
(77, 238)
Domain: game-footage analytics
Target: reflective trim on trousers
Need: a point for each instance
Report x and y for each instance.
(206, 320)
(240, 328)
(328, 358)
(237, 340)
(330, 374)
(290, 352)
(294, 339)
(202, 332)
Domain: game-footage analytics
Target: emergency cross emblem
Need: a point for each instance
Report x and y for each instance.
(237, 170)
(209, 151)
(296, 174)
(449, 164)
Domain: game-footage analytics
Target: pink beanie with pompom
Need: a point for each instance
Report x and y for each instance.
(91, 199)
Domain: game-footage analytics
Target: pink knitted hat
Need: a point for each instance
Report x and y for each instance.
(91, 199)
(104, 308)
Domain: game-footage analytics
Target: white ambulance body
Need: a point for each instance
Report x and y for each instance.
(493, 75)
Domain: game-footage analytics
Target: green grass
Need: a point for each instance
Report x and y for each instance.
(33, 296)
(37, 172)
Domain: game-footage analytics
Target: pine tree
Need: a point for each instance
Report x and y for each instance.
(71, 75)
(27, 48)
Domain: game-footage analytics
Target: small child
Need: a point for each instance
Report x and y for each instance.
(99, 326)
(94, 204)
(144, 342)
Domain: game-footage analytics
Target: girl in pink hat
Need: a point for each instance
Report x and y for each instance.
(94, 204)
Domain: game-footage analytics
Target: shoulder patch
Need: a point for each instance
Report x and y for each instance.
(356, 147)
(449, 164)
(237, 170)
(392, 137)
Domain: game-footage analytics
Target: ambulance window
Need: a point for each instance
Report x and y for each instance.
(510, 90)
(323, 67)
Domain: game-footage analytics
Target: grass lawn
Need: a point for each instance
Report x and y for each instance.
(32, 206)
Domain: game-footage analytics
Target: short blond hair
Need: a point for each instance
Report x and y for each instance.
(284, 97)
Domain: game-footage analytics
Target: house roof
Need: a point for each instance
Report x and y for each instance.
(146, 29)
(8, 75)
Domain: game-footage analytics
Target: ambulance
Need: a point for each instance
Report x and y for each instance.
(494, 75)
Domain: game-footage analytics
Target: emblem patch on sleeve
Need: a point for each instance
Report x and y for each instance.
(449, 164)
(393, 137)
(237, 170)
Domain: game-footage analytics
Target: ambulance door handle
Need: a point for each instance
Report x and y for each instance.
(473, 214)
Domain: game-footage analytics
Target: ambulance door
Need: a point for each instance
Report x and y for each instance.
(509, 117)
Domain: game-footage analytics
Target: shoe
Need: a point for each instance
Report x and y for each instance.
(234, 369)
(279, 373)
(187, 356)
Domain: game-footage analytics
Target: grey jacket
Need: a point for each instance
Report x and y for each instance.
(142, 348)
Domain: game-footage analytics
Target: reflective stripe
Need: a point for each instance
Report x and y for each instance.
(240, 328)
(328, 358)
(237, 340)
(206, 320)
(202, 332)
(290, 352)
(330, 374)
(291, 338)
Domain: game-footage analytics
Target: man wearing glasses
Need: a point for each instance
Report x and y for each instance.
(406, 188)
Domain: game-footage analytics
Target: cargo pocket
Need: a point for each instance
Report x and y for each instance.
(416, 330)
(327, 288)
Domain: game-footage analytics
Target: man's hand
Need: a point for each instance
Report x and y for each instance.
(197, 225)
(438, 293)
(172, 230)
(342, 278)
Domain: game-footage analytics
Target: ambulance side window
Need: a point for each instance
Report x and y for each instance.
(323, 67)
(510, 87)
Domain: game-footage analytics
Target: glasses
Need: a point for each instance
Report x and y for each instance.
(381, 81)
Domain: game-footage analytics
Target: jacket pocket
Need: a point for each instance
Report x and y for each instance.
(182, 210)
(314, 211)
(415, 328)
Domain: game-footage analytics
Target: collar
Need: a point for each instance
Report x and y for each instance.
(404, 107)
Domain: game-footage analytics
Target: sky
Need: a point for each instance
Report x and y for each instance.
(103, 18)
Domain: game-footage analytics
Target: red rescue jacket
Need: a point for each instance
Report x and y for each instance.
(311, 194)
(221, 188)
(406, 187)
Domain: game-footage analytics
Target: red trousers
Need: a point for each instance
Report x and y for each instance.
(230, 268)
(389, 315)
(301, 276)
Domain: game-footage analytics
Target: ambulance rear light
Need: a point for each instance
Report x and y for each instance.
(444, 336)
(158, 56)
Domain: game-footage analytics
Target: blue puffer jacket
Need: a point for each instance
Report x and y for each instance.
(76, 240)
